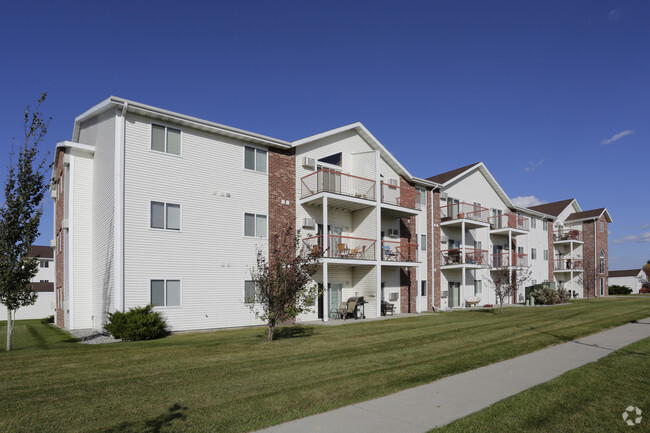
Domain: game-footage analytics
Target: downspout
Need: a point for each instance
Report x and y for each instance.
(595, 260)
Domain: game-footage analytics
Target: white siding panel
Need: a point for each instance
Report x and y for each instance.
(210, 254)
(81, 232)
(43, 307)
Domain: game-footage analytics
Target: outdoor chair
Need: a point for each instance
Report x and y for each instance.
(387, 307)
(349, 311)
(340, 312)
(388, 253)
(342, 250)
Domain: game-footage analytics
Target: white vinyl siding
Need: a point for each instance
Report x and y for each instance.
(165, 140)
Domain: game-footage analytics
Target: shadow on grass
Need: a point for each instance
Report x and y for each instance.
(290, 331)
(154, 425)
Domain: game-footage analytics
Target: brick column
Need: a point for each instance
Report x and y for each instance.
(282, 190)
(59, 251)
(408, 276)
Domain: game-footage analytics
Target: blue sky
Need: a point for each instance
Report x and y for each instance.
(553, 96)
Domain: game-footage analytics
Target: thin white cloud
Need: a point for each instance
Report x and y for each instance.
(527, 201)
(532, 166)
(615, 137)
(645, 226)
(642, 238)
(615, 15)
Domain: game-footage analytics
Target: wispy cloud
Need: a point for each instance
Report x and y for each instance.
(615, 137)
(532, 166)
(645, 226)
(642, 238)
(615, 15)
(527, 201)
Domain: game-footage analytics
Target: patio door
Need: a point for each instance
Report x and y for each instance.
(454, 294)
(336, 295)
(454, 207)
(329, 179)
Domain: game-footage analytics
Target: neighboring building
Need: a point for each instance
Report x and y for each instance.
(630, 278)
(43, 284)
(153, 206)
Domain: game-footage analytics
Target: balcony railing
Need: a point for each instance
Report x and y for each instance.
(463, 210)
(501, 259)
(326, 180)
(341, 247)
(566, 264)
(399, 251)
(398, 196)
(472, 256)
(567, 235)
(509, 221)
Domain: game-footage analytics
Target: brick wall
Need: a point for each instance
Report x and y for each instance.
(58, 235)
(408, 276)
(589, 269)
(436, 248)
(282, 190)
(602, 245)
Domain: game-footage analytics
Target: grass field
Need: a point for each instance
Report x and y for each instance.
(235, 381)
(588, 399)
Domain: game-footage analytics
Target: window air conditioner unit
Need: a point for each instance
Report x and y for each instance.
(393, 233)
(308, 162)
(444, 238)
(393, 182)
(445, 293)
(444, 195)
(393, 296)
(308, 222)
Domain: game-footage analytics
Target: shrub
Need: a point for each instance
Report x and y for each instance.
(644, 290)
(616, 289)
(140, 323)
(48, 319)
(548, 296)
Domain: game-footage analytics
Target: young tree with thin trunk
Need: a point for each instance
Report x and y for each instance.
(283, 282)
(645, 282)
(20, 216)
(506, 281)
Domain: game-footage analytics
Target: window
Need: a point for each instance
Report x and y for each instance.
(533, 222)
(545, 254)
(255, 159)
(45, 281)
(422, 196)
(544, 225)
(534, 282)
(166, 293)
(478, 287)
(602, 227)
(249, 291)
(478, 245)
(602, 262)
(166, 140)
(165, 216)
(423, 240)
(602, 286)
(423, 288)
(533, 253)
(44, 264)
(254, 225)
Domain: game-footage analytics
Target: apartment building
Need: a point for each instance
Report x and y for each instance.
(42, 284)
(153, 206)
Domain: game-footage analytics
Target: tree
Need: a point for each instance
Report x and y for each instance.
(283, 283)
(506, 280)
(645, 282)
(20, 216)
(587, 278)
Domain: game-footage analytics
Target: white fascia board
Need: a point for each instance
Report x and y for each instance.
(575, 205)
(459, 176)
(77, 146)
(368, 138)
(425, 182)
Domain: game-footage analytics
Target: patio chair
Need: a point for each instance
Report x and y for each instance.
(387, 307)
(388, 254)
(341, 312)
(350, 307)
(342, 250)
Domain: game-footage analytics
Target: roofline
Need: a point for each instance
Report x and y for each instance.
(534, 212)
(479, 166)
(366, 135)
(594, 218)
(426, 182)
(144, 109)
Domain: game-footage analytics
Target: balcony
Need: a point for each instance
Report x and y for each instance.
(398, 196)
(567, 235)
(566, 264)
(464, 211)
(500, 260)
(335, 182)
(341, 247)
(510, 222)
(472, 256)
(395, 251)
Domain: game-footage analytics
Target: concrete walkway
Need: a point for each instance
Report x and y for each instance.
(438, 403)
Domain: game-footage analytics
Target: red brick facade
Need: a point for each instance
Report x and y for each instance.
(408, 233)
(58, 236)
(595, 242)
(282, 191)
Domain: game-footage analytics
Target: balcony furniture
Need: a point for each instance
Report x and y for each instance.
(388, 253)
(387, 307)
(472, 301)
(340, 312)
(358, 253)
(452, 257)
(342, 250)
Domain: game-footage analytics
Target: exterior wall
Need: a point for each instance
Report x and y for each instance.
(631, 282)
(590, 278)
(59, 203)
(602, 245)
(282, 191)
(210, 254)
(46, 274)
(551, 252)
(45, 306)
(100, 132)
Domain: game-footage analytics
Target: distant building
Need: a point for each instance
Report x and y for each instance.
(628, 277)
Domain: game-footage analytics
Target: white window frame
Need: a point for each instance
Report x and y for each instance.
(544, 225)
(165, 204)
(422, 197)
(255, 215)
(423, 242)
(254, 293)
(533, 253)
(165, 280)
(478, 284)
(546, 255)
(533, 222)
(255, 159)
(602, 227)
(151, 149)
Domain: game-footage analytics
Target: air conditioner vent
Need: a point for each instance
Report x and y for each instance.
(308, 222)
(308, 162)
(444, 195)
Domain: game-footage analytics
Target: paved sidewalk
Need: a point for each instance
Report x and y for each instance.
(443, 401)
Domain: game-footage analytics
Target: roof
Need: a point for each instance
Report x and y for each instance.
(43, 287)
(624, 273)
(45, 252)
(554, 208)
(449, 175)
(589, 214)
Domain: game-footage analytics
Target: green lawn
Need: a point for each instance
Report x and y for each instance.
(591, 398)
(235, 381)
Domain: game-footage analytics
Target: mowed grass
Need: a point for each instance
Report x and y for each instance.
(591, 398)
(234, 381)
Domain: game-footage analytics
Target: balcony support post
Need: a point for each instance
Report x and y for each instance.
(378, 297)
(326, 294)
(326, 237)
(462, 245)
(462, 288)
(510, 248)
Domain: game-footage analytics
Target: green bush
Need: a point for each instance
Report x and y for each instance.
(548, 296)
(48, 319)
(616, 289)
(140, 323)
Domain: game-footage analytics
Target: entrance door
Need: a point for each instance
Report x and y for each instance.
(336, 295)
(454, 294)
(497, 256)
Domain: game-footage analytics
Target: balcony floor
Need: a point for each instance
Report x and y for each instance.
(338, 201)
